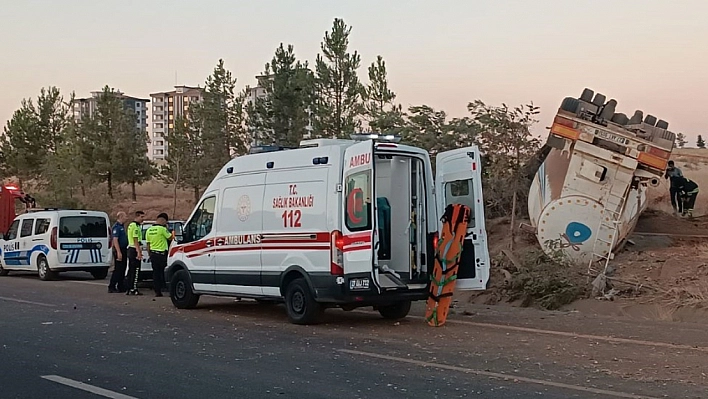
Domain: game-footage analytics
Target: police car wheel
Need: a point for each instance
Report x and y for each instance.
(3, 272)
(45, 274)
(181, 292)
(100, 274)
(300, 303)
(395, 311)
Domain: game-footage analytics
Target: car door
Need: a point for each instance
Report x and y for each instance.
(11, 253)
(458, 180)
(198, 244)
(358, 215)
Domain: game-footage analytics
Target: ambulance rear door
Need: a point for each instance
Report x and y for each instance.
(358, 216)
(458, 180)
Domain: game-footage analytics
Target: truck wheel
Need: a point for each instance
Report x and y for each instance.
(181, 293)
(3, 272)
(100, 274)
(45, 274)
(395, 311)
(300, 303)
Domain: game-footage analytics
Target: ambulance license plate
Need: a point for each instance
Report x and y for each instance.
(359, 284)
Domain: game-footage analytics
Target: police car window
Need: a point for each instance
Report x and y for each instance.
(42, 226)
(82, 227)
(12, 232)
(26, 229)
(203, 219)
(461, 192)
(358, 201)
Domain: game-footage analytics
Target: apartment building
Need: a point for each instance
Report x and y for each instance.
(165, 108)
(86, 107)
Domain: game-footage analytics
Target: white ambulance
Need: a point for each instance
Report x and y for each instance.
(51, 241)
(334, 223)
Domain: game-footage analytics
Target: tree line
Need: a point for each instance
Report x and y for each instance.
(44, 143)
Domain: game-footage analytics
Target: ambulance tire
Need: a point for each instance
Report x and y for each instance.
(3, 271)
(181, 292)
(395, 311)
(100, 274)
(45, 274)
(301, 305)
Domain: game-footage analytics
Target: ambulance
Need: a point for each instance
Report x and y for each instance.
(333, 223)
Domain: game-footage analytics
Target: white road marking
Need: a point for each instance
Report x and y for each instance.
(86, 387)
(28, 302)
(498, 375)
(566, 334)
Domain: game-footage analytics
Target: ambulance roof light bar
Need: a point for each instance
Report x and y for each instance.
(392, 138)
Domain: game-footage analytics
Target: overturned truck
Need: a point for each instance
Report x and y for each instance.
(590, 188)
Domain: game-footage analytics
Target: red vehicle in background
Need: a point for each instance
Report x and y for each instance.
(9, 197)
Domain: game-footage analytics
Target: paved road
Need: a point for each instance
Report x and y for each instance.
(70, 339)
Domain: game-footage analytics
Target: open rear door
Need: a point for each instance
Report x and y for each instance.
(458, 180)
(358, 215)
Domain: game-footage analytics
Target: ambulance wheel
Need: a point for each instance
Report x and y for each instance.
(181, 292)
(395, 311)
(3, 272)
(100, 274)
(300, 303)
(45, 274)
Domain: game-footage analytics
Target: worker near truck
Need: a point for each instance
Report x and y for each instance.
(135, 252)
(672, 172)
(688, 190)
(157, 237)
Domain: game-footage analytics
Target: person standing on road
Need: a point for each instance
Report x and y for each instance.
(157, 245)
(672, 172)
(120, 254)
(135, 252)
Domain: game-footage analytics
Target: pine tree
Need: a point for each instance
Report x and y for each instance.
(20, 145)
(382, 114)
(133, 166)
(218, 121)
(337, 87)
(681, 140)
(282, 116)
(182, 168)
(700, 143)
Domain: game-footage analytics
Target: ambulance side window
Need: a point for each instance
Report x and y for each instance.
(12, 232)
(461, 192)
(358, 201)
(201, 223)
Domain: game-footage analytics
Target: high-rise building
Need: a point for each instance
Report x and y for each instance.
(86, 107)
(165, 108)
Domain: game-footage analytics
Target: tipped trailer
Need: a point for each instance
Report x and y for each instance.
(590, 189)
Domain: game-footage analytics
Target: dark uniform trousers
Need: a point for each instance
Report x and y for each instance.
(676, 199)
(118, 276)
(133, 269)
(158, 259)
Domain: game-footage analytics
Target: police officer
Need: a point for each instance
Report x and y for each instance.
(157, 237)
(120, 254)
(135, 252)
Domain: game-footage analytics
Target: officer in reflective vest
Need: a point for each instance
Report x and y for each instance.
(157, 237)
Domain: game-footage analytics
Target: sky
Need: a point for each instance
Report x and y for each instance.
(647, 54)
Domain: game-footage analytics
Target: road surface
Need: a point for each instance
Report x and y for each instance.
(71, 339)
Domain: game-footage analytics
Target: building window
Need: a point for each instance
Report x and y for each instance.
(171, 100)
(172, 126)
(171, 108)
(195, 98)
(157, 152)
(137, 105)
(159, 143)
(172, 117)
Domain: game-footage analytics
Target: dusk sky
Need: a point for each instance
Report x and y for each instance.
(650, 55)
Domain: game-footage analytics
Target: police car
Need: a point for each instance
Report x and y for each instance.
(334, 223)
(52, 241)
(146, 266)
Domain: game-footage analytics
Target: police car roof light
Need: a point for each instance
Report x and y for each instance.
(376, 137)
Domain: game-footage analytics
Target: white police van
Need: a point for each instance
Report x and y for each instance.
(52, 241)
(345, 223)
